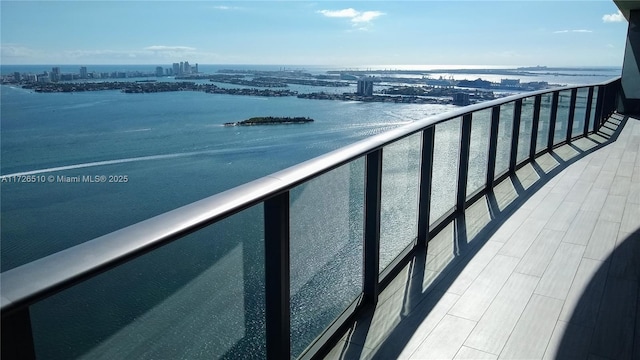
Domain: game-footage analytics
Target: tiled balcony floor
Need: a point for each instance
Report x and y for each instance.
(547, 266)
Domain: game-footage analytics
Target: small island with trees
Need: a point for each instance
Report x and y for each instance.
(270, 120)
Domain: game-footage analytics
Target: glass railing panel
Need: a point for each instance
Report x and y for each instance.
(526, 125)
(594, 102)
(325, 250)
(445, 168)
(478, 149)
(505, 131)
(399, 201)
(544, 123)
(580, 112)
(562, 116)
(199, 297)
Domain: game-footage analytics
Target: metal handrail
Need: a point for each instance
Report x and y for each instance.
(37, 280)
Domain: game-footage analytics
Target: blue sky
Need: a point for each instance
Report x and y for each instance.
(356, 33)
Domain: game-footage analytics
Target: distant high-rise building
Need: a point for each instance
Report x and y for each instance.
(159, 71)
(176, 69)
(181, 68)
(55, 74)
(83, 72)
(44, 77)
(16, 76)
(196, 69)
(187, 68)
(365, 86)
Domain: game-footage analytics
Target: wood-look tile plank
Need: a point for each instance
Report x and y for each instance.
(533, 331)
(563, 216)
(579, 191)
(566, 152)
(401, 341)
(482, 291)
(584, 144)
(613, 208)
(583, 300)
(613, 335)
(569, 341)
(595, 200)
(518, 244)
(511, 225)
(625, 263)
(445, 340)
(602, 240)
(604, 179)
(559, 275)
(636, 343)
(505, 194)
(630, 218)
(620, 186)
(549, 205)
(598, 159)
(547, 162)
(495, 326)
(537, 198)
(629, 156)
(538, 257)
(590, 173)
(626, 169)
(467, 353)
(634, 192)
(581, 228)
(477, 217)
(345, 350)
(458, 281)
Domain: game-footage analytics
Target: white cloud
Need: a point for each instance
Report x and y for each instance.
(618, 17)
(16, 51)
(358, 19)
(90, 54)
(572, 31)
(169, 48)
(225, 7)
(367, 16)
(348, 13)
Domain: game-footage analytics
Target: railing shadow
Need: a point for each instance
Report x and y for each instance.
(386, 331)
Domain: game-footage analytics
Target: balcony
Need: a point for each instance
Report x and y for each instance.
(374, 250)
(544, 266)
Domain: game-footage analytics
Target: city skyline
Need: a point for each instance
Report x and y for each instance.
(406, 33)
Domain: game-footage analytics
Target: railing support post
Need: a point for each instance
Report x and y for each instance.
(493, 146)
(552, 119)
(572, 113)
(426, 175)
(463, 164)
(597, 121)
(535, 126)
(515, 135)
(277, 276)
(372, 208)
(587, 114)
(17, 336)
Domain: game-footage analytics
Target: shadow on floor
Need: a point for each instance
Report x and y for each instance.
(604, 323)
